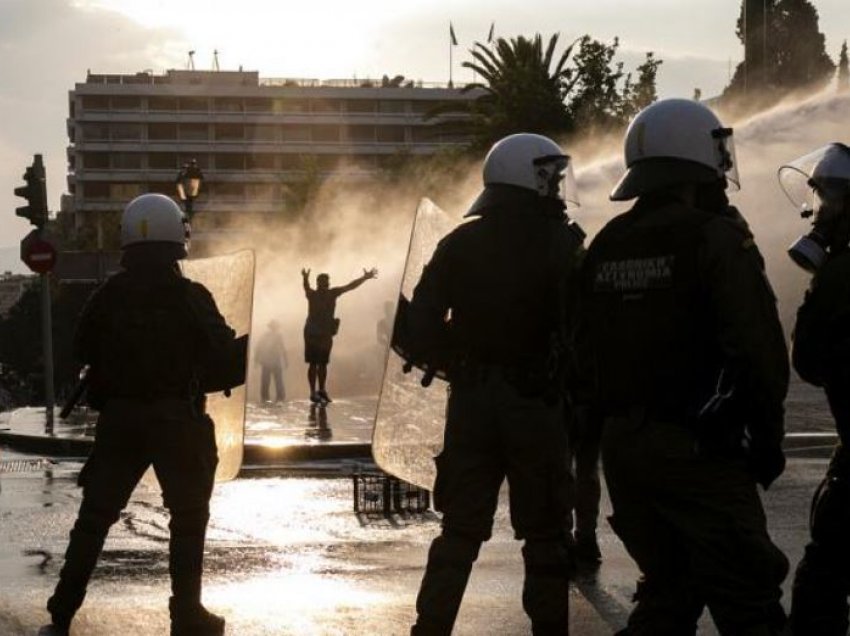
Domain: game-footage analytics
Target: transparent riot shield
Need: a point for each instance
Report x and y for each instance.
(410, 419)
(230, 279)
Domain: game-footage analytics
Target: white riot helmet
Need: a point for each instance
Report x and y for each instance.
(153, 218)
(818, 184)
(528, 161)
(675, 141)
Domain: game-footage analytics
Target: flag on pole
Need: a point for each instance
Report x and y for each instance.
(452, 36)
(490, 35)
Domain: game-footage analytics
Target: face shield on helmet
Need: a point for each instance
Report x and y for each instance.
(528, 161)
(555, 178)
(819, 177)
(818, 184)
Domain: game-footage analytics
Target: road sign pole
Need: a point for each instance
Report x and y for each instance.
(47, 348)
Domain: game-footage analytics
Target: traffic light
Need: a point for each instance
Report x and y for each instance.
(35, 192)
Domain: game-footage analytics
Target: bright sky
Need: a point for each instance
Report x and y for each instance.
(47, 45)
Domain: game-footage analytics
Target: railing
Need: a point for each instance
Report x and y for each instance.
(366, 82)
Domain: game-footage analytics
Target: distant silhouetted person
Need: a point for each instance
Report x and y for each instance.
(322, 325)
(271, 356)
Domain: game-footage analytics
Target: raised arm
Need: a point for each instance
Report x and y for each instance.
(367, 274)
(305, 280)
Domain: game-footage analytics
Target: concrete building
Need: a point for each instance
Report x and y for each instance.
(253, 138)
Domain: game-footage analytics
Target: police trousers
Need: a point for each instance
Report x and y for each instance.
(179, 442)
(822, 580)
(492, 433)
(696, 528)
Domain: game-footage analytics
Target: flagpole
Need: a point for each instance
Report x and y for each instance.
(451, 65)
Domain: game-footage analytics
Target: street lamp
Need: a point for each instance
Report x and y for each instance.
(189, 184)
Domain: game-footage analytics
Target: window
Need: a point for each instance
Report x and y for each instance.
(126, 132)
(259, 105)
(230, 162)
(264, 191)
(360, 105)
(295, 133)
(392, 106)
(290, 106)
(162, 161)
(229, 132)
(96, 160)
(124, 191)
(127, 161)
(325, 106)
(325, 133)
(162, 103)
(227, 190)
(95, 190)
(361, 134)
(162, 187)
(193, 104)
(423, 134)
(391, 134)
(259, 162)
(292, 162)
(95, 102)
(126, 103)
(158, 132)
(193, 132)
(327, 162)
(228, 104)
(260, 133)
(95, 132)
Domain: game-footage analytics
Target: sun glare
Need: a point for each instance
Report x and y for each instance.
(323, 40)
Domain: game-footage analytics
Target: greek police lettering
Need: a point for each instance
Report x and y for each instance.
(635, 274)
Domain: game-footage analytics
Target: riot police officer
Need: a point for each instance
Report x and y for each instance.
(691, 372)
(505, 278)
(820, 184)
(151, 338)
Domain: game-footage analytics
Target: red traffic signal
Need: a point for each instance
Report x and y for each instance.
(35, 192)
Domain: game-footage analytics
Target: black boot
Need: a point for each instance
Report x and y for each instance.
(53, 630)
(450, 562)
(80, 560)
(193, 619)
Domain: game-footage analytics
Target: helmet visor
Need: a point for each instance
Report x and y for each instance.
(556, 178)
(728, 158)
(569, 187)
(818, 177)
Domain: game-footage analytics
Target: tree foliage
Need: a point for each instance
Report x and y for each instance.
(784, 48)
(843, 70)
(526, 86)
(523, 87)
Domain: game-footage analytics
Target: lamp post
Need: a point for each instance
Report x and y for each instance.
(189, 185)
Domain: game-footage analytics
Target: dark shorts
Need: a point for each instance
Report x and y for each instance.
(317, 348)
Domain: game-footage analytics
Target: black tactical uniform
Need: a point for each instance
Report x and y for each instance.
(675, 296)
(149, 335)
(821, 356)
(505, 278)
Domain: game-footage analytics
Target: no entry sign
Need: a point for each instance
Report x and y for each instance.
(38, 254)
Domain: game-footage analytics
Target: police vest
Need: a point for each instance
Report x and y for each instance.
(149, 346)
(648, 314)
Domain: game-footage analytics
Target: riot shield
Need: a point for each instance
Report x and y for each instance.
(410, 418)
(230, 279)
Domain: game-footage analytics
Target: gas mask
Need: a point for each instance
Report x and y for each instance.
(819, 186)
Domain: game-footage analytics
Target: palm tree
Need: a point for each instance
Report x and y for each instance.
(520, 90)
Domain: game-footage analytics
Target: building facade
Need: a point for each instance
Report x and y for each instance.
(252, 138)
